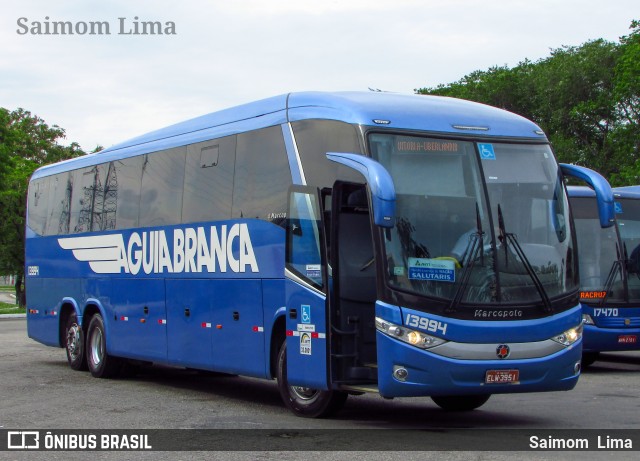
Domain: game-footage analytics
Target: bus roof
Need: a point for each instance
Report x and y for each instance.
(632, 192)
(434, 114)
(580, 191)
(627, 192)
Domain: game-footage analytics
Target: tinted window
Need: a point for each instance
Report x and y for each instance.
(87, 193)
(314, 139)
(38, 199)
(126, 184)
(162, 181)
(304, 248)
(208, 183)
(59, 204)
(262, 176)
(106, 202)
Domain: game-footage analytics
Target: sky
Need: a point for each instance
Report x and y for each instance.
(105, 88)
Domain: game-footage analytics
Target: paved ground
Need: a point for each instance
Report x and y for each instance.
(39, 391)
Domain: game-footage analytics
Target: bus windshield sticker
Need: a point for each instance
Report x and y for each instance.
(398, 270)
(314, 272)
(486, 151)
(436, 270)
(618, 206)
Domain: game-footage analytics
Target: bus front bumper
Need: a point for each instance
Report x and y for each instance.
(597, 339)
(406, 371)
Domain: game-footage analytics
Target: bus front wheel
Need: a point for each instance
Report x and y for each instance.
(304, 401)
(74, 343)
(101, 364)
(460, 402)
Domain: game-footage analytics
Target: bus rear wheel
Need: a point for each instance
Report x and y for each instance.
(304, 401)
(74, 343)
(100, 363)
(460, 402)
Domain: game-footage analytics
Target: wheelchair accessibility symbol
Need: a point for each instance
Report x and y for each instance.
(618, 207)
(306, 313)
(486, 152)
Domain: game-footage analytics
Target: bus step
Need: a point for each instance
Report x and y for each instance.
(368, 388)
(344, 332)
(362, 373)
(344, 356)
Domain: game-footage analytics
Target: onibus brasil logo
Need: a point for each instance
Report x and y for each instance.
(192, 249)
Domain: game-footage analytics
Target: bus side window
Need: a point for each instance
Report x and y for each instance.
(262, 176)
(60, 187)
(127, 185)
(87, 200)
(38, 201)
(162, 183)
(314, 139)
(208, 180)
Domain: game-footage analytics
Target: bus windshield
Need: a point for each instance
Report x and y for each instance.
(603, 253)
(628, 219)
(600, 255)
(477, 223)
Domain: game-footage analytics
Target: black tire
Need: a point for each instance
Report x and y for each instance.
(303, 401)
(460, 402)
(100, 363)
(74, 343)
(588, 358)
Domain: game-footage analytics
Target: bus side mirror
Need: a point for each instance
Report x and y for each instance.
(604, 194)
(383, 192)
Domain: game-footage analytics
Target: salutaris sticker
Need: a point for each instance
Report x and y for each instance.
(437, 270)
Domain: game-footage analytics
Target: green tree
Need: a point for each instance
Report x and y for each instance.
(26, 142)
(627, 96)
(584, 97)
(574, 103)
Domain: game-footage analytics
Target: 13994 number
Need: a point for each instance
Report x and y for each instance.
(424, 323)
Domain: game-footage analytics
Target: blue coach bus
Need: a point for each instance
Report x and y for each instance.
(340, 243)
(609, 272)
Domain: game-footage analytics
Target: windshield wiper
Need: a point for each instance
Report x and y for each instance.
(470, 255)
(615, 268)
(505, 238)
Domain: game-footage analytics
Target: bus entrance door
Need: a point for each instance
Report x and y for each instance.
(307, 332)
(353, 296)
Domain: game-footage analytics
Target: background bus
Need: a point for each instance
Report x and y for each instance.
(339, 242)
(609, 271)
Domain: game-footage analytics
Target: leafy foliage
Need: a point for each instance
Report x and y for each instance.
(26, 142)
(586, 98)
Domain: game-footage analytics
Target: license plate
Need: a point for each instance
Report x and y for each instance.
(502, 377)
(627, 339)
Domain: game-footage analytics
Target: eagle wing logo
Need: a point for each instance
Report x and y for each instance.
(102, 252)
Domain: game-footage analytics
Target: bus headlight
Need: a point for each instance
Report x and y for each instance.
(570, 336)
(407, 335)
